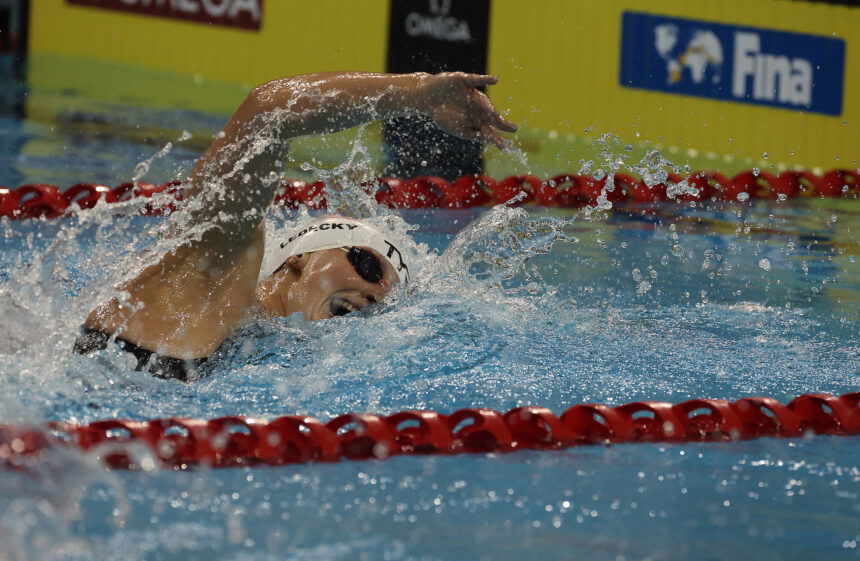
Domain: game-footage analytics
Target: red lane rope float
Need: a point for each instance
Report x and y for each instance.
(177, 443)
(564, 190)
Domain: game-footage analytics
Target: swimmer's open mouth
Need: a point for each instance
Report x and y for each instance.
(341, 306)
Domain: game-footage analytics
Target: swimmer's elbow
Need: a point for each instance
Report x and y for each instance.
(284, 105)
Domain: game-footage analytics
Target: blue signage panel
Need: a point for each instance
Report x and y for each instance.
(733, 63)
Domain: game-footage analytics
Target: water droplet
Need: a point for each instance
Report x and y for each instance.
(764, 264)
(743, 196)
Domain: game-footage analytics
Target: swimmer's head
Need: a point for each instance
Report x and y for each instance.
(331, 267)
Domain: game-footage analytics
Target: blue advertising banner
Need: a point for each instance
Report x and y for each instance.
(732, 63)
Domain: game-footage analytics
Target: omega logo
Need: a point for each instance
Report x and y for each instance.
(439, 25)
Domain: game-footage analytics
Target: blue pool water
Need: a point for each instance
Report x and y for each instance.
(666, 303)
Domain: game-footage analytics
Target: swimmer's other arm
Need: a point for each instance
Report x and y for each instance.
(191, 300)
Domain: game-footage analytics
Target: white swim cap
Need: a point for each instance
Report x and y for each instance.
(332, 232)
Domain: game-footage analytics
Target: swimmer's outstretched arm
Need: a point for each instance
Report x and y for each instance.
(252, 144)
(191, 300)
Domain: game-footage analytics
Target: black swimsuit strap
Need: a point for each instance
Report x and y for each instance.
(167, 367)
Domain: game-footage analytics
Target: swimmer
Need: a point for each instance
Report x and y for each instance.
(178, 311)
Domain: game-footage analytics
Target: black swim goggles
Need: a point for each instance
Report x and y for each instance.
(365, 263)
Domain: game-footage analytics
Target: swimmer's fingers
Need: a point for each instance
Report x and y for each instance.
(482, 129)
(491, 122)
(483, 132)
(490, 134)
(493, 116)
(479, 80)
(503, 124)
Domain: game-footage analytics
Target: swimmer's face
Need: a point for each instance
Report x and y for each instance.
(335, 282)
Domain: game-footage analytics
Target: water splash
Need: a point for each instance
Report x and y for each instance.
(493, 249)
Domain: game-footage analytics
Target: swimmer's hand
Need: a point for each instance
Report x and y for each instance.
(459, 108)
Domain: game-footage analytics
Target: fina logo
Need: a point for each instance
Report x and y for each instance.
(702, 55)
(439, 25)
(720, 61)
(774, 77)
(794, 76)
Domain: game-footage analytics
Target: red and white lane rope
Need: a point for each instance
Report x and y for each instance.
(177, 443)
(565, 190)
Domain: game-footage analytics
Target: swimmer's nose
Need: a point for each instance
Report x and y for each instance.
(376, 292)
